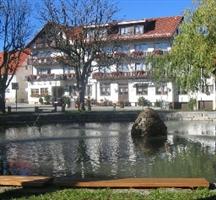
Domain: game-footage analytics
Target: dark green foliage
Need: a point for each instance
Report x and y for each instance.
(41, 100)
(47, 99)
(192, 58)
(191, 104)
(84, 194)
(143, 102)
(66, 101)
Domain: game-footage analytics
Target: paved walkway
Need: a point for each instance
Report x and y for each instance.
(23, 107)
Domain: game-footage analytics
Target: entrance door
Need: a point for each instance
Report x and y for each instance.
(57, 91)
(123, 93)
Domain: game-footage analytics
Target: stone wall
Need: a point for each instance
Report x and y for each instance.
(194, 116)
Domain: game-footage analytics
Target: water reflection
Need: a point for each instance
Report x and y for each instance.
(108, 151)
(149, 145)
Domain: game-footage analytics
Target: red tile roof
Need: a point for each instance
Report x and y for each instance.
(164, 27)
(14, 65)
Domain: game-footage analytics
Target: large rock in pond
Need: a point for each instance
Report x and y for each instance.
(149, 124)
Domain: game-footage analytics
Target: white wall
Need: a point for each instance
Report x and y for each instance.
(113, 93)
(10, 95)
(39, 85)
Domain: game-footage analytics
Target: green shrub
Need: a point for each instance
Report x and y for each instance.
(66, 101)
(158, 103)
(47, 99)
(41, 101)
(191, 104)
(143, 102)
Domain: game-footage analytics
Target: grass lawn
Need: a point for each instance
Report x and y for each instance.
(108, 194)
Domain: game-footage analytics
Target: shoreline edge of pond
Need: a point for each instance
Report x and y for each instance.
(30, 118)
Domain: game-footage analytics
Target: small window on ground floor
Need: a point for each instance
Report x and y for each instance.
(105, 89)
(207, 89)
(44, 91)
(161, 89)
(142, 89)
(34, 92)
(72, 90)
(123, 90)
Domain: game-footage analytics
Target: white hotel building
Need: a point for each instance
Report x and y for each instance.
(132, 79)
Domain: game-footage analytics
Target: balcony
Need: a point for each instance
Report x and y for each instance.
(137, 54)
(51, 77)
(35, 61)
(122, 75)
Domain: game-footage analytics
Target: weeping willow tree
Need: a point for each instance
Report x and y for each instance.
(193, 55)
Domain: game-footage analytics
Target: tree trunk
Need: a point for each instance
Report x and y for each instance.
(2, 101)
(82, 98)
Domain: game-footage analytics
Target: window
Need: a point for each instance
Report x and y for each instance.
(123, 90)
(181, 91)
(207, 89)
(44, 91)
(72, 90)
(34, 92)
(103, 33)
(123, 68)
(44, 71)
(127, 30)
(157, 46)
(142, 89)
(90, 34)
(141, 47)
(124, 48)
(139, 66)
(104, 69)
(89, 90)
(105, 89)
(139, 29)
(161, 89)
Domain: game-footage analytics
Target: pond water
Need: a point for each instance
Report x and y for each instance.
(107, 150)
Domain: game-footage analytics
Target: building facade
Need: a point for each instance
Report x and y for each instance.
(131, 42)
(19, 78)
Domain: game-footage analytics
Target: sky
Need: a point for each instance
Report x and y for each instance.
(130, 10)
(139, 9)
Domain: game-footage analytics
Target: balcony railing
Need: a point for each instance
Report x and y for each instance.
(137, 54)
(35, 61)
(51, 77)
(122, 75)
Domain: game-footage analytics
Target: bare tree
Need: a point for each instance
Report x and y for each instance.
(14, 31)
(78, 29)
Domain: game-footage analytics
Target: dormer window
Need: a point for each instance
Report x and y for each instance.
(139, 29)
(90, 34)
(129, 30)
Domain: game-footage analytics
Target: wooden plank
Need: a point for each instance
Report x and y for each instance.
(135, 183)
(25, 181)
(139, 183)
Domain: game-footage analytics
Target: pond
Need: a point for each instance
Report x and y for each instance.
(106, 150)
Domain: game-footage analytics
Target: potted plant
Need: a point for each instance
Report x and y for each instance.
(66, 101)
(41, 101)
